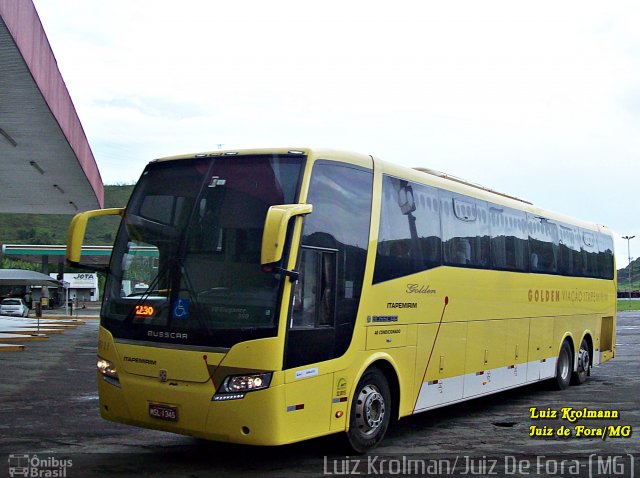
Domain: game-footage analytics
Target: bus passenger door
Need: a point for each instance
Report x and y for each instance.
(311, 339)
(311, 333)
(325, 300)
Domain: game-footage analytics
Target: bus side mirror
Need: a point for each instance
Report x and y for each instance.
(77, 228)
(275, 230)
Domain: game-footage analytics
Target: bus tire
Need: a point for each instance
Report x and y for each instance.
(584, 364)
(370, 411)
(564, 366)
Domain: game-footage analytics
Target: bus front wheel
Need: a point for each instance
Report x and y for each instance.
(564, 366)
(370, 411)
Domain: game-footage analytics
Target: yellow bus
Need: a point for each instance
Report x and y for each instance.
(269, 296)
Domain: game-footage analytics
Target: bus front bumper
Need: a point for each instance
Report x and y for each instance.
(189, 409)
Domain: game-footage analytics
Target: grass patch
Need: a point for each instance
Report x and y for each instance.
(628, 305)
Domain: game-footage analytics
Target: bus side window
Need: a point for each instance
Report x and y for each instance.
(605, 257)
(544, 241)
(567, 250)
(589, 254)
(509, 240)
(409, 236)
(465, 231)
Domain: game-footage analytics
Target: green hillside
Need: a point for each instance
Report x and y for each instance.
(623, 277)
(52, 228)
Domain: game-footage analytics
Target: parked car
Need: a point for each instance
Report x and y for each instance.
(14, 306)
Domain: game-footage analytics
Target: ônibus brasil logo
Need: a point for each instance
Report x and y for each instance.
(34, 466)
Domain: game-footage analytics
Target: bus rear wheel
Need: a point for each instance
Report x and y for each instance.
(584, 364)
(370, 411)
(564, 366)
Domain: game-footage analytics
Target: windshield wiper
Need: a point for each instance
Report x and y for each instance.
(156, 229)
(147, 293)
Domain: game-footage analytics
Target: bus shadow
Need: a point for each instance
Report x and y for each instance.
(194, 457)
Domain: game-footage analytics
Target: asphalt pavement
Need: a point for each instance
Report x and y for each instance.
(49, 422)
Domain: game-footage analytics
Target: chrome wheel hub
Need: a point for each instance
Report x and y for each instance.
(370, 410)
(564, 366)
(583, 360)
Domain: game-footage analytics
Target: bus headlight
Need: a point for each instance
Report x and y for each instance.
(246, 383)
(108, 371)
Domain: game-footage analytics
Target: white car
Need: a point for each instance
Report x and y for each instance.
(14, 306)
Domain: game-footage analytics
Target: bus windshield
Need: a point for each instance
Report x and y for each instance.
(185, 267)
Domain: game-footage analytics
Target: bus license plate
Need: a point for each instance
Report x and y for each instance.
(163, 412)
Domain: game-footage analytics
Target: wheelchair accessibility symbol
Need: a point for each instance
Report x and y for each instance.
(181, 309)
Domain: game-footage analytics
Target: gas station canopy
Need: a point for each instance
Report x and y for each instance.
(91, 255)
(46, 164)
(26, 278)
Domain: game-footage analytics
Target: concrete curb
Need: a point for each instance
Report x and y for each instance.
(11, 348)
(31, 329)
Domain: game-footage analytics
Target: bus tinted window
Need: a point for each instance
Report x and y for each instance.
(409, 236)
(341, 198)
(465, 231)
(473, 233)
(605, 257)
(568, 247)
(587, 258)
(509, 240)
(543, 245)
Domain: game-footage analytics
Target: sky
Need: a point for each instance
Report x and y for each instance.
(537, 99)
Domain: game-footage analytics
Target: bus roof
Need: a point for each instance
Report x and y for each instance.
(317, 153)
(461, 186)
(422, 175)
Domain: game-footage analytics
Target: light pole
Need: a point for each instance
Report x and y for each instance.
(628, 238)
